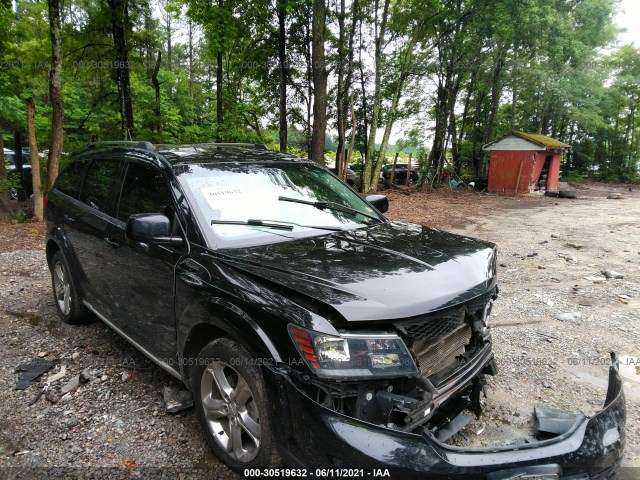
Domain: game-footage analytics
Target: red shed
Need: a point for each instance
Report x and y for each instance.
(523, 162)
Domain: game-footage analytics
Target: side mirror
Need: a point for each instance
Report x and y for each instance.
(151, 228)
(381, 202)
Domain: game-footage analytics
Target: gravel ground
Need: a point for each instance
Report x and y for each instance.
(115, 426)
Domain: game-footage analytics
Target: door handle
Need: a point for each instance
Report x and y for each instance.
(111, 242)
(191, 279)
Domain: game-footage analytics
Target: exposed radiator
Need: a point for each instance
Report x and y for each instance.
(435, 357)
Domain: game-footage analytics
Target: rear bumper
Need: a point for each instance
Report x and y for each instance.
(312, 436)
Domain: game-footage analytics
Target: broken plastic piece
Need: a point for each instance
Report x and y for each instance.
(32, 370)
(555, 422)
(57, 376)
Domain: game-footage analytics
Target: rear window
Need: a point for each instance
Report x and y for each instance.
(70, 179)
(98, 185)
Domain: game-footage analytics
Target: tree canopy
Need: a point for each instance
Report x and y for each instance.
(348, 75)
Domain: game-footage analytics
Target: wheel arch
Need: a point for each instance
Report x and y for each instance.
(206, 321)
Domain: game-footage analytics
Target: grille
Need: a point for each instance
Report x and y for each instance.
(431, 329)
(435, 357)
(479, 303)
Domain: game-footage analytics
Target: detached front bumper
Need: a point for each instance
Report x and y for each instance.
(313, 436)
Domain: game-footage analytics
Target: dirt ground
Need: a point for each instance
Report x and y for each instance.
(546, 247)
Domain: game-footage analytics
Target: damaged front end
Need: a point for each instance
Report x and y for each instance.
(396, 413)
(417, 379)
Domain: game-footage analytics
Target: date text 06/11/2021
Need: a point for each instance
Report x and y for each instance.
(318, 473)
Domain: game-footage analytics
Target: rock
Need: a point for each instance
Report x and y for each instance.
(553, 235)
(596, 279)
(577, 246)
(573, 317)
(75, 355)
(124, 377)
(546, 384)
(176, 400)
(42, 354)
(611, 274)
(615, 196)
(71, 386)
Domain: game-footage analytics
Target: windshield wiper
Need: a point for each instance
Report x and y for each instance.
(277, 224)
(331, 206)
(253, 223)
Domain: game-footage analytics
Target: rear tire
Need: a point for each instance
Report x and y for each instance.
(231, 403)
(65, 294)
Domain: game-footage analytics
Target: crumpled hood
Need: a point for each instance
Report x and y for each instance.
(388, 271)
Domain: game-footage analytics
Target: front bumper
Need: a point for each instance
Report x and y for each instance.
(312, 436)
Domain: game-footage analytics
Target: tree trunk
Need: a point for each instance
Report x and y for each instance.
(370, 183)
(5, 202)
(169, 46)
(35, 160)
(354, 127)
(282, 59)
(392, 177)
(190, 58)
(55, 94)
(156, 87)
(219, 109)
(319, 82)
(219, 81)
(340, 94)
(119, 19)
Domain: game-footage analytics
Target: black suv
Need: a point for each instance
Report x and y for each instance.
(310, 329)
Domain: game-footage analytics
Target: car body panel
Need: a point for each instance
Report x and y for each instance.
(388, 271)
(332, 440)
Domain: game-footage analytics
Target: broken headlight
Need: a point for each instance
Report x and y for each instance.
(353, 355)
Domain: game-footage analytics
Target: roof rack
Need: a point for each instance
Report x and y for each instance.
(120, 143)
(255, 146)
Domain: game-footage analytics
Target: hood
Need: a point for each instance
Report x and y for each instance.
(387, 271)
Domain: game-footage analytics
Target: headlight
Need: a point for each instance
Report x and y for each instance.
(353, 355)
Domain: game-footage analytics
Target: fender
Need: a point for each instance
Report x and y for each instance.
(212, 317)
(57, 236)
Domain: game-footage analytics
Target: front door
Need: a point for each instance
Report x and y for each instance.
(143, 302)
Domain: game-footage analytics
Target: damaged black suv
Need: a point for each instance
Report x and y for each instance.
(311, 330)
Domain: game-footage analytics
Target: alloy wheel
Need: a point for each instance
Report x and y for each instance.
(62, 288)
(231, 411)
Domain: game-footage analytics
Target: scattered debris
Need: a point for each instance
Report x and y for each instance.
(568, 258)
(80, 379)
(57, 376)
(75, 355)
(569, 317)
(596, 279)
(32, 370)
(51, 398)
(577, 246)
(611, 274)
(176, 400)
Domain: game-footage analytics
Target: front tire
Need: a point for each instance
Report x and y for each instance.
(230, 400)
(65, 294)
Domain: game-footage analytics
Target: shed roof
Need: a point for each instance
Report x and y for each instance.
(535, 138)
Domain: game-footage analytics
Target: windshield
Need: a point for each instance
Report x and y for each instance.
(242, 192)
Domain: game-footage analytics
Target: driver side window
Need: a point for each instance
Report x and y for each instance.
(144, 190)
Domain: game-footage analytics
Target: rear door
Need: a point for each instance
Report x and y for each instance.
(89, 226)
(143, 297)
